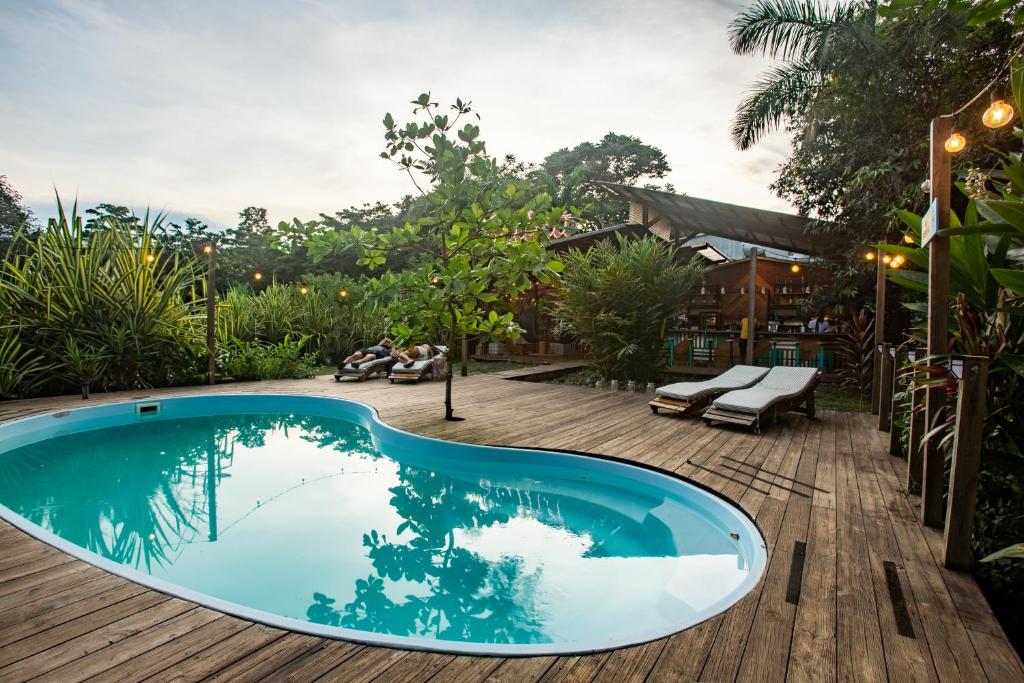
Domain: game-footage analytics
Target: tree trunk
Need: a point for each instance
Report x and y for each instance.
(449, 411)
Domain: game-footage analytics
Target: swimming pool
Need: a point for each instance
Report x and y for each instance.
(310, 514)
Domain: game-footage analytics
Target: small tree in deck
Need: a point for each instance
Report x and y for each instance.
(479, 243)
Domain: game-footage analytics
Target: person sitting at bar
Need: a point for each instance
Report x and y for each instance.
(812, 326)
(381, 349)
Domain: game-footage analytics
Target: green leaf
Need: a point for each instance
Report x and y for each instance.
(1015, 552)
(1011, 279)
(556, 266)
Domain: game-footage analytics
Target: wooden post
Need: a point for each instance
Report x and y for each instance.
(963, 477)
(915, 456)
(211, 314)
(876, 370)
(465, 356)
(885, 388)
(751, 307)
(934, 477)
(897, 365)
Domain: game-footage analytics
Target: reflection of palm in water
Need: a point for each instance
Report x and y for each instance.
(145, 499)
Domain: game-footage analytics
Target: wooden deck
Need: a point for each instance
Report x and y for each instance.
(869, 603)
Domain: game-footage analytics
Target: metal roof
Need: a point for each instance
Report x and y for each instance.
(693, 216)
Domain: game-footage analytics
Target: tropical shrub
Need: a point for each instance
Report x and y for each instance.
(253, 360)
(331, 310)
(857, 347)
(618, 300)
(110, 291)
(22, 369)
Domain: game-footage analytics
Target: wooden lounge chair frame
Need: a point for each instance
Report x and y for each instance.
(683, 407)
(365, 370)
(801, 403)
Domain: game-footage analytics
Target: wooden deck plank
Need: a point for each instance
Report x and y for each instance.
(828, 483)
(167, 655)
(87, 643)
(859, 643)
(95, 663)
(812, 654)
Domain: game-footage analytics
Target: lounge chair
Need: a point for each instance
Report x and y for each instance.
(688, 397)
(366, 369)
(419, 369)
(782, 389)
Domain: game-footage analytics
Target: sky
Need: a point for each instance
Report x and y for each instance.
(203, 108)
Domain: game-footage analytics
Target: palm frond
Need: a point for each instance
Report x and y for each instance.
(787, 29)
(782, 92)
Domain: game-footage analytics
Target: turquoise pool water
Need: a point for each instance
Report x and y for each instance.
(311, 514)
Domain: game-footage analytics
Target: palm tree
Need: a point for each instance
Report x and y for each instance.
(801, 34)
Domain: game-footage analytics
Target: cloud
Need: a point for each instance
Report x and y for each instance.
(205, 108)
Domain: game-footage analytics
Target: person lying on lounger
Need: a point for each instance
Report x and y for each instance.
(381, 350)
(413, 354)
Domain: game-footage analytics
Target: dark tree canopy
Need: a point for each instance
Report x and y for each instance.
(567, 173)
(13, 214)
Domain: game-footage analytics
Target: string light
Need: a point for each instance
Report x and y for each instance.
(208, 249)
(150, 258)
(998, 113)
(343, 293)
(303, 290)
(869, 256)
(795, 268)
(886, 259)
(897, 261)
(257, 276)
(955, 143)
(908, 238)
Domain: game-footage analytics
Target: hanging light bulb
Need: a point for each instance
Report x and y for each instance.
(303, 290)
(908, 238)
(869, 256)
(343, 293)
(795, 268)
(897, 261)
(208, 249)
(998, 113)
(887, 259)
(955, 143)
(150, 258)
(257, 276)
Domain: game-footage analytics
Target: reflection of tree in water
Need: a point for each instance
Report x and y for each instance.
(137, 503)
(468, 598)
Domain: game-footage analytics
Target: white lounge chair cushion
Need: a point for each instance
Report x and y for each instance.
(363, 367)
(736, 377)
(417, 367)
(779, 384)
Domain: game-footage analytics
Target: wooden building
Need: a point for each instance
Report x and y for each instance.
(762, 264)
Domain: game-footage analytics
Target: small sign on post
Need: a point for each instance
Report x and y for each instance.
(930, 223)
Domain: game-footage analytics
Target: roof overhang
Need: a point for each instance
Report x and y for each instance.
(695, 216)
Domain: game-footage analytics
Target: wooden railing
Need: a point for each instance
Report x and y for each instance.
(900, 373)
